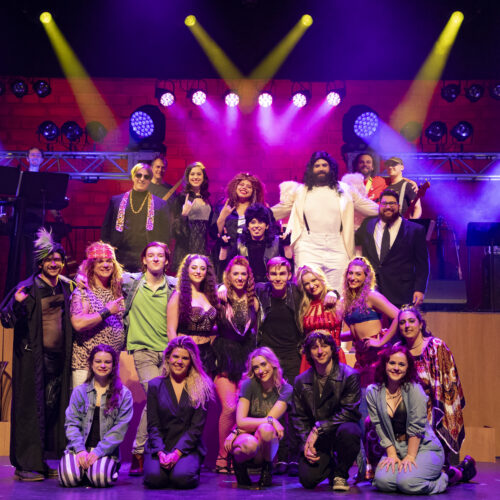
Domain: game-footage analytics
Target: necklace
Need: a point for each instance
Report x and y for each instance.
(396, 395)
(143, 203)
(417, 346)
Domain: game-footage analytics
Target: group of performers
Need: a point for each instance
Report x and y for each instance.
(254, 318)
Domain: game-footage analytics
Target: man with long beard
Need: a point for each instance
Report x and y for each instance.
(322, 217)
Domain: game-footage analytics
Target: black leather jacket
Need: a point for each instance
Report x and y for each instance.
(339, 402)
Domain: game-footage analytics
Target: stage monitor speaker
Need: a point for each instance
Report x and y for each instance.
(445, 295)
(491, 282)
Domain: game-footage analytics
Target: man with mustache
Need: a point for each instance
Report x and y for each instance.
(38, 311)
(397, 250)
(321, 215)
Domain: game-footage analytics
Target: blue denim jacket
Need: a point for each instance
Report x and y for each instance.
(113, 426)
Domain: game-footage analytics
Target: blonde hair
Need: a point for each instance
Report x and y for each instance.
(354, 299)
(305, 302)
(268, 354)
(141, 166)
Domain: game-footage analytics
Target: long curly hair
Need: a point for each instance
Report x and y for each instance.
(199, 385)
(115, 383)
(354, 299)
(418, 314)
(250, 288)
(208, 286)
(204, 193)
(268, 354)
(258, 191)
(305, 302)
(333, 176)
(87, 268)
(411, 375)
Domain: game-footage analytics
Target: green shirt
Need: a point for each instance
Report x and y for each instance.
(148, 318)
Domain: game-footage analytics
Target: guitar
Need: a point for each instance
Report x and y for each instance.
(420, 194)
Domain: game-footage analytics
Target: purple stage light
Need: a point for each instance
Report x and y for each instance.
(167, 99)
(333, 98)
(142, 124)
(366, 124)
(462, 131)
(199, 97)
(49, 130)
(232, 99)
(265, 100)
(299, 99)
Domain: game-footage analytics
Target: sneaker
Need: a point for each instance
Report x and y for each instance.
(281, 468)
(340, 484)
(137, 465)
(28, 475)
(293, 469)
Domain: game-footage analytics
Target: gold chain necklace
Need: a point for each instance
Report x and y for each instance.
(143, 203)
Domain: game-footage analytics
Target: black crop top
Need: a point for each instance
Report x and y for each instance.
(399, 420)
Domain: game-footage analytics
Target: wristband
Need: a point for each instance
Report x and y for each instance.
(270, 420)
(105, 313)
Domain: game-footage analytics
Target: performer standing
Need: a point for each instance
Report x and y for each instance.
(38, 310)
(324, 241)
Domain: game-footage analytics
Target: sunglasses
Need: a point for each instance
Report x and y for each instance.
(140, 176)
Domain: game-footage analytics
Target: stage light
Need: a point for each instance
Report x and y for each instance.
(165, 97)
(147, 129)
(301, 98)
(366, 124)
(72, 131)
(42, 88)
(231, 98)
(45, 17)
(265, 100)
(462, 131)
(48, 130)
(190, 20)
(19, 88)
(474, 92)
(495, 91)
(96, 131)
(306, 20)
(450, 92)
(436, 131)
(335, 97)
(197, 96)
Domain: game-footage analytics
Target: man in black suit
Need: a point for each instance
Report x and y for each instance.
(397, 250)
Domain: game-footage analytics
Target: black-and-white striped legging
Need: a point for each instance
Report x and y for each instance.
(103, 473)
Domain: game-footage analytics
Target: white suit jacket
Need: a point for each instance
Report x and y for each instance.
(292, 202)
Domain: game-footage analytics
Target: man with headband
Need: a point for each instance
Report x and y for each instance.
(38, 310)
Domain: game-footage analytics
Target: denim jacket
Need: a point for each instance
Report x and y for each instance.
(80, 413)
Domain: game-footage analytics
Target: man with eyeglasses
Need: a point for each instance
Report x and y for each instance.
(134, 219)
(397, 251)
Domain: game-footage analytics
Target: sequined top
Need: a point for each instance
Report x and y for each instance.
(200, 322)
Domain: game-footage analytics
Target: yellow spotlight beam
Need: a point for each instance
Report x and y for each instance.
(78, 79)
(415, 104)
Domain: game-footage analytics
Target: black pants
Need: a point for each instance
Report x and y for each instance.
(344, 442)
(185, 473)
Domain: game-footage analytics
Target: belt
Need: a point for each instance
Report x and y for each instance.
(401, 437)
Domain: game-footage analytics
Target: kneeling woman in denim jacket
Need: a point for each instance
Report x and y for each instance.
(97, 419)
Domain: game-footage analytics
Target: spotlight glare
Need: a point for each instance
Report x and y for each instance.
(45, 17)
(306, 20)
(96, 131)
(167, 99)
(265, 100)
(190, 20)
(333, 98)
(450, 92)
(495, 91)
(72, 131)
(49, 130)
(299, 99)
(474, 92)
(42, 88)
(436, 131)
(457, 17)
(462, 131)
(366, 124)
(142, 124)
(232, 99)
(19, 88)
(199, 97)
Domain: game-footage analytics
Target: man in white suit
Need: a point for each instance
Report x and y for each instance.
(322, 217)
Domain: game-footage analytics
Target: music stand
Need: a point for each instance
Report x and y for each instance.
(10, 180)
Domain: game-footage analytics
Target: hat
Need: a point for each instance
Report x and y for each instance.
(395, 160)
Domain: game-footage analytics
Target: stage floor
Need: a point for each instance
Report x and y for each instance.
(485, 486)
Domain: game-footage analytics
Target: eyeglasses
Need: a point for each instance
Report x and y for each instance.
(140, 176)
(388, 203)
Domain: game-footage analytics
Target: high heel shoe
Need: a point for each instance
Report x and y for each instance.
(241, 473)
(266, 475)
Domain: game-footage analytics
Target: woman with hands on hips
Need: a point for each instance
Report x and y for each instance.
(264, 397)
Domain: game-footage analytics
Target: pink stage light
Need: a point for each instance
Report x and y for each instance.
(333, 98)
(199, 97)
(167, 99)
(232, 99)
(265, 100)
(299, 99)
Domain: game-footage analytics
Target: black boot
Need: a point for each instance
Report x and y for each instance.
(468, 468)
(266, 475)
(241, 473)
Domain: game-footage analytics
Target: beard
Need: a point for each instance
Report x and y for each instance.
(321, 179)
(389, 219)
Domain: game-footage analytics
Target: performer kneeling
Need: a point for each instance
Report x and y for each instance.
(176, 414)
(97, 419)
(264, 396)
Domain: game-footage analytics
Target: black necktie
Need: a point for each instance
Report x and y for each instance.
(386, 243)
